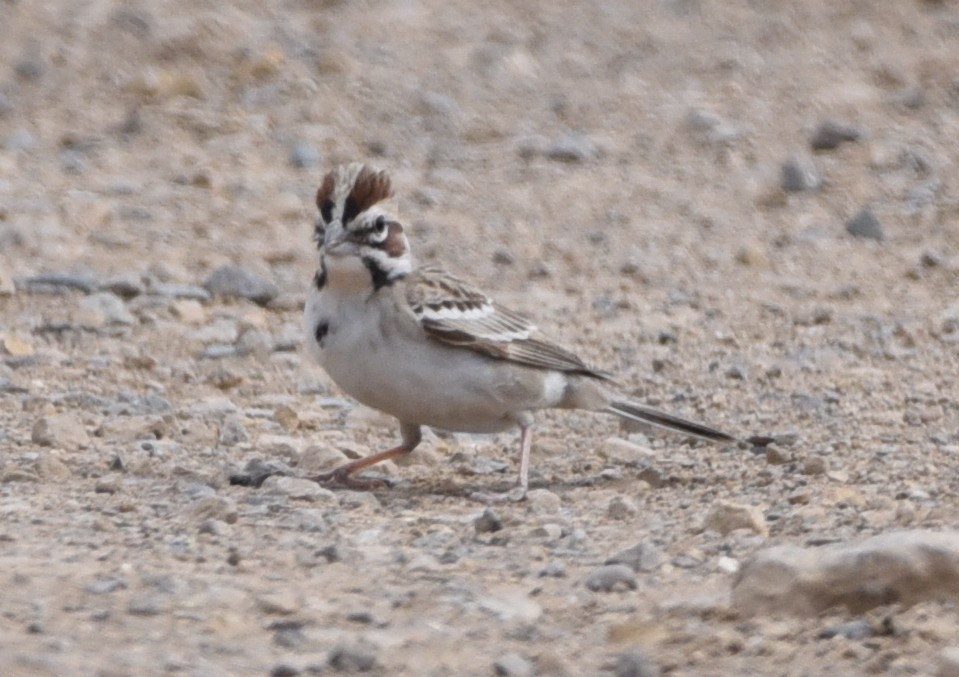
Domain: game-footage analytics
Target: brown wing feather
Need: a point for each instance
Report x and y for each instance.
(456, 313)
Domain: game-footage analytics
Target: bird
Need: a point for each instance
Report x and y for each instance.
(430, 349)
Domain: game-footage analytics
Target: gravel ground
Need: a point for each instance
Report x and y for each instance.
(747, 210)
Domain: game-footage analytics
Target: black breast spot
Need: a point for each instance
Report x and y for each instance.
(322, 329)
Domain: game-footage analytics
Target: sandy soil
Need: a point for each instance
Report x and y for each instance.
(612, 169)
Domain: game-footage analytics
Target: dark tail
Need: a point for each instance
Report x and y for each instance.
(643, 414)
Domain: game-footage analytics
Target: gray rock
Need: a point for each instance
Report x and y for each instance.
(726, 516)
(800, 173)
(58, 282)
(830, 135)
(635, 663)
(865, 225)
(640, 557)
(573, 147)
(610, 577)
(233, 432)
(352, 658)
(20, 139)
(299, 489)
(621, 508)
(855, 630)
(213, 508)
(543, 501)
(900, 567)
(102, 309)
(124, 286)
(488, 522)
(948, 662)
(179, 291)
(242, 283)
(304, 155)
(513, 665)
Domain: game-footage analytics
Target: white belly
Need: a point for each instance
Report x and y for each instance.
(388, 366)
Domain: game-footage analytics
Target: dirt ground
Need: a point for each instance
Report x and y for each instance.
(614, 170)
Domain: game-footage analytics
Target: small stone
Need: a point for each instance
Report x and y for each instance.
(815, 465)
(304, 155)
(610, 577)
(124, 286)
(287, 417)
(257, 471)
(233, 432)
(279, 603)
(640, 557)
(621, 508)
(624, 452)
(189, 311)
(17, 347)
(865, 225)
(352, 658)
(284, 670)
(775, 455)
(51, 468)
(830, 134)
(146, 605)
(107, 485)
(213, 508)
(102, 309)
(299, 489)
(948, 662)
(488, 522)
(543, 501)
(63, 431)
(513, 665)
(726, 516)
(239, 282)
(753, 255)
(179, 291)
(854, 630)
(635, 663)
(553, 570)
(799, 173)
(573, 147)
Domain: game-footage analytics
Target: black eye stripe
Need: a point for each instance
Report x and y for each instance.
(326, 210)
(350, 210)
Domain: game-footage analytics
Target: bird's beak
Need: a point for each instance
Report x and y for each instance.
(336, 237)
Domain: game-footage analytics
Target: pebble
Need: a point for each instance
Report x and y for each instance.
(488, 522)
(635, 663)
(239, 282)
(948, 662)
(304, 155)
(624, 452)
(124, 286)
(865, 225)
(213, 508)
(640, 557)
(58, 282)
(573, 147)
(830, 135)
(710, 128)
(352, 658)
(621, 508)
(610, 577)
(257, 471)
(102, 309)
(854, 630)
(179, 291)
(543, 501)
(513, 664)
(64, 431)
(726, 516)
(799, 173)
(299, 489)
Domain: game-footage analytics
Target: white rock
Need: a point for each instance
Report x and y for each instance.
(899, 567)
(299, 489)
(726, 516)
(60, 430)
(624, 452)
(543, 501)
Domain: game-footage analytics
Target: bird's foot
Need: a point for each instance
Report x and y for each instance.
(514, 495)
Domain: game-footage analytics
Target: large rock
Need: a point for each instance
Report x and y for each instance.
(236, 281)
(64, 431)
(900, 567)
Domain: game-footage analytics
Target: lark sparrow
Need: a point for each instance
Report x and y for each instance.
(430, 349)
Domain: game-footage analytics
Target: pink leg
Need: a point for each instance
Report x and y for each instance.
(518, 493)
(343, 475)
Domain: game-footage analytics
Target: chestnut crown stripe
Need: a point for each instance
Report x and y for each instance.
(369, 187)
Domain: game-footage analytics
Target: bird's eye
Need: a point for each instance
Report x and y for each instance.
(380, 225)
